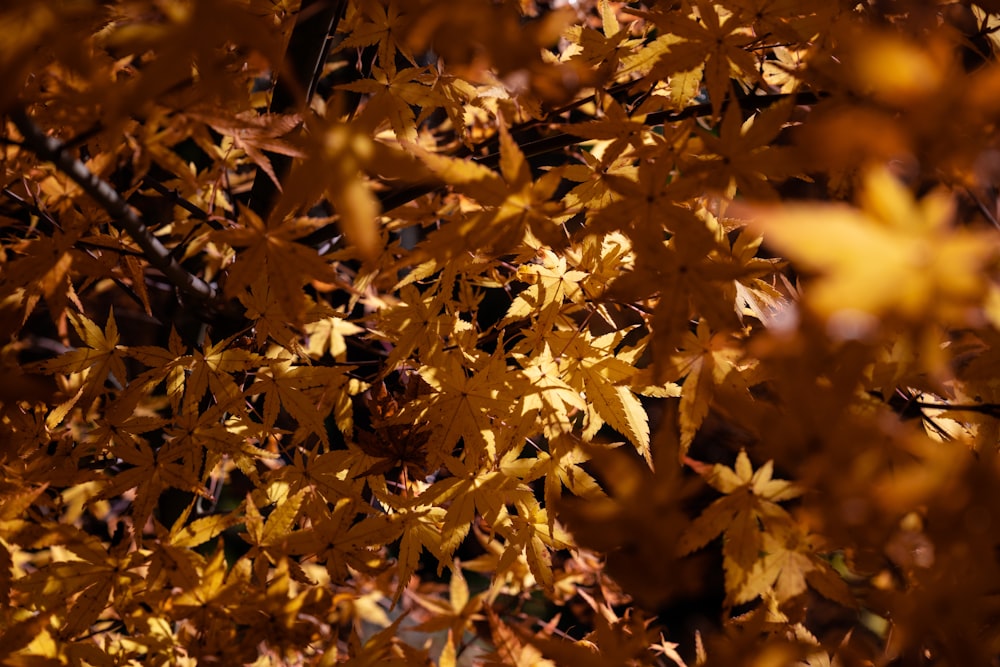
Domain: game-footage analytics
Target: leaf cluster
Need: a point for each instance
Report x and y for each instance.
(416, 332)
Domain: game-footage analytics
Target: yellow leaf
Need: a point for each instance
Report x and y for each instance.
(329, 334)
(359, 211)
(609, 22)
(458, 589)
(202, 530)
(272, 252)
(744, 515)
(686, 86)
(620, 408)
(705, 362)
(449, 656)
(894, 258)
(280, 521)
(509, 648)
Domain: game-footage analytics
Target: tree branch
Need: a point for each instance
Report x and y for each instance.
(988, 409)
(54, 151)
(176, 199)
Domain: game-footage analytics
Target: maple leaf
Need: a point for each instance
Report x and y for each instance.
(124, 259)
(186, 534)
(465, 404)
(705, 362)
(190, 375)
(788, 563)
(596, 190)
(382, 648)
(713, 38)
(286, 603)
(618, 128)
(340, 541)
(302, 391)
(647, 207)
(379, 23)
(100, 360)
(84, 582)
(271, 251)
(255, 134)
(595, 49)
(418, 322)
(214, 594)
(152, 471)
(559, 467)
(460, 611)
(207, 439)
(509, 648)
(786, 20)
(614, 641)
(270, 316)
(550, 282)
(164, 363)
(894, 257)
(43, 270)
(421, 530)
(324, 478)
(516, 578)
(211, 370)
(595, 367)
(760, 298)
(397, 445)
(742, 158)
(550, 395)
(533, 533)
(393, 94)
(119, 425)
(603, 259)
(269, 539)
(454, 95)
(668, 650)
(692, 273)
(514, 202)
(471, 493)
(329, 336)
(747, 512)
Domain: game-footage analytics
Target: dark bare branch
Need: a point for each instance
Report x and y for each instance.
(51, 149)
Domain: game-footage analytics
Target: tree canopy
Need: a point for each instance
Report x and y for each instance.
(501, 332)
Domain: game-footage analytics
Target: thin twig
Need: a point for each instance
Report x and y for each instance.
(176, 198)
(982, 208)
(32, 207)
(989, 409)
(93, 245)
(51, 149)
(118, 250)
